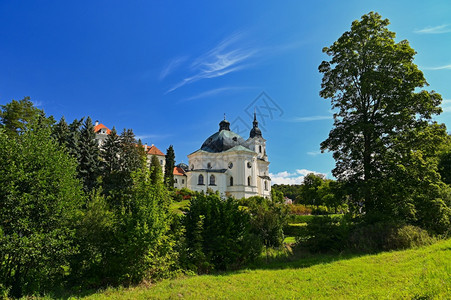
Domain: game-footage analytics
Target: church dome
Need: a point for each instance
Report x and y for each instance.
(222, 140)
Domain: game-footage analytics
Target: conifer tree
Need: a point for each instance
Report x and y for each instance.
(169, 169)
(155, 170)
(110, 153)
(89, 156)
(130, 155)
(61, 132)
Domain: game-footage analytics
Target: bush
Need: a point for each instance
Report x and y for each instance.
(325, 233)
(384, 236)
(299, 209)
(218, 235)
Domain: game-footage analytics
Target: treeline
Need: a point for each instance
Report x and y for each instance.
(319, 194)
(76, 216)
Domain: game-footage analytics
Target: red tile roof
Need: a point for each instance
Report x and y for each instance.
(154, 151)
(178, 171)
(100, 126)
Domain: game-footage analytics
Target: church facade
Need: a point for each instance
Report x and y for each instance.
(229, 164)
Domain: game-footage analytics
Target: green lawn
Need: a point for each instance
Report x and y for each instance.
(423, 273)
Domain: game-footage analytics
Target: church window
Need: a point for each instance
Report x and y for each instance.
(200, 181)
(192, 167)
(260, 149)
(183, 181)
(231, 181)
(209, 166)
(175, 180)
(212, 180)
(230, 165)
(266, 185)
(161, 162)
(249, 181)
(249, 165)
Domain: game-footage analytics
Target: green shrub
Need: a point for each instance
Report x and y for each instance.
(384, 236)
(324, 234)
(218, 235)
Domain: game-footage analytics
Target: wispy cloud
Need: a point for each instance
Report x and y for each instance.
(228, 56)
(314, 153)
(296, 177)
(37, 103)
(311, 118)
(217, 91)
(152, 136)
(434, 29)
(444, 67)
(446, 105)
(171, 66)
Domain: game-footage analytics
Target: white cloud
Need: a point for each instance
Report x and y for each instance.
(296, 177)
(435, 29)
(444, 67)
(446, 105)
(171, 66)
(312, 118)
(314, 153)
(217, 91)
(152, 136)
(223, 59)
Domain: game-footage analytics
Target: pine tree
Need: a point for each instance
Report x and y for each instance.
(170, 164)
(89, 156)
(130, 155)
(155, 170)
(61, 132)
(110, 153)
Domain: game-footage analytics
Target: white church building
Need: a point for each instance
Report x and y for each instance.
(225, 162)
(231, 165)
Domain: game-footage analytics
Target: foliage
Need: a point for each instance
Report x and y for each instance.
(299, 209)
(381, 123)
(218, 235)
(387, 236)
(16, 116)
(156, 175)
(169, 168)
(41, 202)
(268, 219)
(323, 234)
(89, 154)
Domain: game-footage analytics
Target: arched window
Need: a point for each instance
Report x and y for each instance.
(266, 185)
(200, 180)
(260, 149)
(231, 181)
(212, 180)
(249, 181)
(175, 180)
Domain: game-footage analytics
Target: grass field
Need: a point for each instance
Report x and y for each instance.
(423, 273)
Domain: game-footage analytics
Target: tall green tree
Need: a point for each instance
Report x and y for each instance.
(155, 170)
(169, 168)
(110, 153)
(41, 199)
(374, 88)
(15, 116)
(61, 132)
(89, 156)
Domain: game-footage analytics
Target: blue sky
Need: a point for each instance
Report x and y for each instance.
(170, 70)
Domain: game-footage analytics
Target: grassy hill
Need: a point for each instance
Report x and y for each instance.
(423, 273)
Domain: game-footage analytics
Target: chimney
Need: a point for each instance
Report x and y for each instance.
(145, 147)
(97, 123)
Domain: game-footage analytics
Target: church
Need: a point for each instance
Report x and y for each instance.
(231, 165)
(225, 162)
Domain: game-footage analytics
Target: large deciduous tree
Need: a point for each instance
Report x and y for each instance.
(374, 87)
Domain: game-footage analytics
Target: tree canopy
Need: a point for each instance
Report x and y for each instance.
(375, 89)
